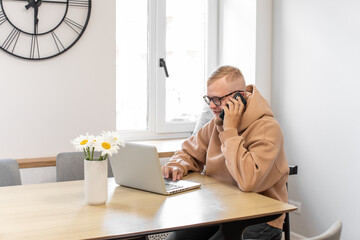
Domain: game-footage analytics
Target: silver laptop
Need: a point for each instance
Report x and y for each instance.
(138, 166)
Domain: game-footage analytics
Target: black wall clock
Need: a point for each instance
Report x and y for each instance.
(41, 29)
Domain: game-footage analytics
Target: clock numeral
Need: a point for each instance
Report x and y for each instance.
(11, 40)
(57, 41)
(34, 49)
(2, 17)
(79, 3)
(74, 25)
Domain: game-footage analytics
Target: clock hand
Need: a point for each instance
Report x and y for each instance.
(36, 20)
(31, 4)
(34, 4)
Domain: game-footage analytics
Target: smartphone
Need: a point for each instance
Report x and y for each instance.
(222, 114)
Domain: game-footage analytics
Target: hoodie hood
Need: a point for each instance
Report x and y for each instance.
(257, 107)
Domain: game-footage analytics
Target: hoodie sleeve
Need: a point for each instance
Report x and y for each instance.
(251, 158)
(192, 156)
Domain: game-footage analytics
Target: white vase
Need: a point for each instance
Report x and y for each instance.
(96, 184)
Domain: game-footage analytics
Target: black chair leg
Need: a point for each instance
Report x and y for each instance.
(286, 227)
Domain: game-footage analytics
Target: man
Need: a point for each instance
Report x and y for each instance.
(245, 149)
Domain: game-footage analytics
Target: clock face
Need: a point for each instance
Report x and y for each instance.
(41, 29)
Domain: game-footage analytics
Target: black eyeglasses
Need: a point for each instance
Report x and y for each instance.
(217, 100)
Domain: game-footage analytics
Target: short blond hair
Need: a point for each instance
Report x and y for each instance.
(231, 73)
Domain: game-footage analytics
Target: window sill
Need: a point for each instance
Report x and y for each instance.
(165, 147)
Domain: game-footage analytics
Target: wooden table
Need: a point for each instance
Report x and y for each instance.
(58, 210)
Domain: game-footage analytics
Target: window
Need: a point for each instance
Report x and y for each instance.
(149, 103)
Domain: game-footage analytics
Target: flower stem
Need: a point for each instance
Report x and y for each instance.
(88, 150)
(85, 153)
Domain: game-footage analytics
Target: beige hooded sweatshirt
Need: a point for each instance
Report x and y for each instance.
(251, 157)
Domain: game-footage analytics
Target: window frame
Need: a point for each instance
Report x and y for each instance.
(157, 127)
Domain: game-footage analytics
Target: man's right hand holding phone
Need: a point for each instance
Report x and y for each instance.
(233, 113)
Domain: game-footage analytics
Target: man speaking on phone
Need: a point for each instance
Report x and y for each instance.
(245, 149)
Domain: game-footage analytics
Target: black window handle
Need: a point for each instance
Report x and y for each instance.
(163, 64)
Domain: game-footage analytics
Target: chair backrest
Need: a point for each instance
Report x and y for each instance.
(70, 166)
(9, 173)
(205, 116)
(333, 233)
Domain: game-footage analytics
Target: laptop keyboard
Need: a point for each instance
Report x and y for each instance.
(170, 186)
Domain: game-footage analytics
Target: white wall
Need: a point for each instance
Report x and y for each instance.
(245, 40)
(315, 96)
(263, 51)
(44, 105)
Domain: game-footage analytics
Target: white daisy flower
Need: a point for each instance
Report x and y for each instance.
(106, 147)
(108, 143)
(114, 136)
(82, 142)
(92, 141)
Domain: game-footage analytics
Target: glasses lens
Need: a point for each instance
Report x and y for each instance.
(217, 101)
(207, 100)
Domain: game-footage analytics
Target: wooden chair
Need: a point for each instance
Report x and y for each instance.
(286, 225)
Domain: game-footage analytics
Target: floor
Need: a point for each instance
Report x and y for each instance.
(295, 236)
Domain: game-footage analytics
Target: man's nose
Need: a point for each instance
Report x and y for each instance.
(212, 105)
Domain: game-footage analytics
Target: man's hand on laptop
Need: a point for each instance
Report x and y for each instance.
(172, 172)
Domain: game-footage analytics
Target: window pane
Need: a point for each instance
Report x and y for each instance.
(185, 49)
(131, 65)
